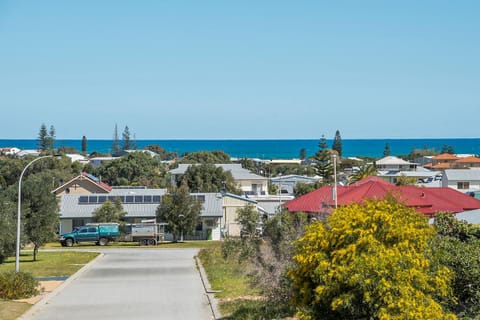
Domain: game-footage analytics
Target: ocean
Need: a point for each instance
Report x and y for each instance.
(274, 149)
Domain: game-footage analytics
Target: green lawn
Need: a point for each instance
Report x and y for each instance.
(50, 264)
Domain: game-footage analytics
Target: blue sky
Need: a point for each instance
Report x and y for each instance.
(240, 69)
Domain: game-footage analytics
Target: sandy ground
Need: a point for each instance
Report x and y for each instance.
(45, 287)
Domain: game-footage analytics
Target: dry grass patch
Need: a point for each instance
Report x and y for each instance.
(10, 310)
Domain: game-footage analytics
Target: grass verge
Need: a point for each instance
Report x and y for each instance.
(163, 245)
(49, 264)
(227, 276)
(10, 310)
(238, 298)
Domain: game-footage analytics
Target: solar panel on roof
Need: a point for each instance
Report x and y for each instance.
(83, 199)
(129, 199)
(92, 199)
(138, 199)
(92, 177)
(102, 199)
(147, 199)
(156, 199)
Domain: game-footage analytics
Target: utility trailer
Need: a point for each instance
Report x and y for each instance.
(148, 232)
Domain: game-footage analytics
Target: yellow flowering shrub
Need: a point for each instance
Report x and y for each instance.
(370, 261)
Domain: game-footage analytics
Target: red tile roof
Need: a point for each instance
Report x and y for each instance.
(426, 200)
(97, 181)
(468, 160)
(445, 156)
(441, 166)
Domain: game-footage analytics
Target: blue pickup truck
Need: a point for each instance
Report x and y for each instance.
(100, 233)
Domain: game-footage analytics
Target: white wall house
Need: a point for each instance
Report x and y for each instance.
(287, 183)
(25, 153)
(10, 151)
(421, 175)
(391, 163)
(464, 180)
(78, 158)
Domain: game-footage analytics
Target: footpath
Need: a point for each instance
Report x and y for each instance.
(45, 287)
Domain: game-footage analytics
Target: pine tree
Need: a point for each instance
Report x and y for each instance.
(324, 165)
(337, 143)
(126, 139)
(115, 143)
(51, 139)
(444, 149)
(303, 154)
(84, 144)
(134, 142)
(386, 150)
(42, 140)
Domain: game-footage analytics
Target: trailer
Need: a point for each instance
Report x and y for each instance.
(148, 232)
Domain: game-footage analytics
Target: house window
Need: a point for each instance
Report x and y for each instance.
(463, 185)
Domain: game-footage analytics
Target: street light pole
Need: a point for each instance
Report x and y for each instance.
(19, 212)
(279, 192)
(335, 179)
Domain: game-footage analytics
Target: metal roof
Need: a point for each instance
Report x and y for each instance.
(472, 216)
(462, 174)
(71, 208)
(294, 178)
(391, 160)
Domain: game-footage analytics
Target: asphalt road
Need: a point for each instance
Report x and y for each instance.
(132, 284)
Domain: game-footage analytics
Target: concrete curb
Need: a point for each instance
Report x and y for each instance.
(30, 312)
(208, 290)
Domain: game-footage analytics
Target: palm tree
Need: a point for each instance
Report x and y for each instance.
(366, 170)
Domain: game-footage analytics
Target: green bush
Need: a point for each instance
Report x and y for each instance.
(17, 285)
(239, 248)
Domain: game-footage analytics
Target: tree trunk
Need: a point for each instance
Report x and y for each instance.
(35, 251)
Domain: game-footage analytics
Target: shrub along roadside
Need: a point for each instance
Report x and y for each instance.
(238, 297)
(17, 285)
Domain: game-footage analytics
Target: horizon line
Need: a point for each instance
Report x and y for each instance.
(244, 139)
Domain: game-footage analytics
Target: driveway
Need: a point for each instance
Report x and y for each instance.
(132, 284)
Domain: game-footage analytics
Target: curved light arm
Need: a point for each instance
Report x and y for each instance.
(19, 211)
